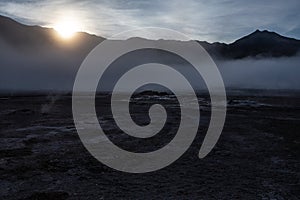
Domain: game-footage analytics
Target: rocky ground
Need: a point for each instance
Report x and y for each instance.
(257, 156)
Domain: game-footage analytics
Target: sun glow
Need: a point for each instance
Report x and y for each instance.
(67, 28)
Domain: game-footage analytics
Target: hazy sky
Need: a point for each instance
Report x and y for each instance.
(211, 20)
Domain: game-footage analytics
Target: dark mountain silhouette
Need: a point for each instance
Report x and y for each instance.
(257, 44)
(27, 38)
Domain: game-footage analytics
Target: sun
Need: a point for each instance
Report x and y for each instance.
(67, 28)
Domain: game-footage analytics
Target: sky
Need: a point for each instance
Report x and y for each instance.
(212, 21)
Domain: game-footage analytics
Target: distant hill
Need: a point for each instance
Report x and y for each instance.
(257, 44)
(27, 38)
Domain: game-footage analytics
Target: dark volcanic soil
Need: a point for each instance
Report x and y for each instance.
(257, 156)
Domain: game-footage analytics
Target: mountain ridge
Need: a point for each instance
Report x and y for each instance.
(258, 44)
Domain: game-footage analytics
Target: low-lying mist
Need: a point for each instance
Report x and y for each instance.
(46, 71)
(268, 73)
